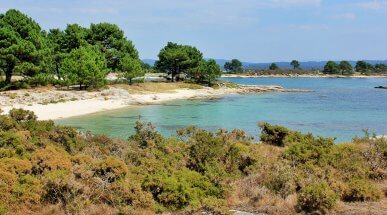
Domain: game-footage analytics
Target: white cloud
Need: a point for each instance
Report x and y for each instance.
(95, 10)
(373, 5)
(309, 27)
(288, 3)
(345, 16)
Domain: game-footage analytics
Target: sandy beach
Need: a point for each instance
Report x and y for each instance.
(50, 103)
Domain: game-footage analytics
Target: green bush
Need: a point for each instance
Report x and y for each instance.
(362, 190)
(310, 150)
(273, 135)
(20, 115)
(316, 197)
(44, 165)
(42, 79)
(185, 188)
(111, 169)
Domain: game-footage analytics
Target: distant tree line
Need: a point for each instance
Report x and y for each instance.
(85, 56)
(345, 68)
(331, 67)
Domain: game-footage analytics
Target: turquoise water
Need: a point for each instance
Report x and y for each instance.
(338, 108)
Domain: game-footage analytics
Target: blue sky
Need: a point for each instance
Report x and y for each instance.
(250, 30)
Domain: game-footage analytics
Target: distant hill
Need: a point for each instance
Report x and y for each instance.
(149, 61)
(307, 65)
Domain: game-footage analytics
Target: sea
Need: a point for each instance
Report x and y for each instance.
(341, 108)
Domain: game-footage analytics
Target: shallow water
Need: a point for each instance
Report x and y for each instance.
(338, 108)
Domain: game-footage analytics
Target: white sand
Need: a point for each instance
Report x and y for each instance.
(54, 104)
(70, 108)
(87, 105)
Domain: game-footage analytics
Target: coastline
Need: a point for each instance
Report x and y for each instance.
(52, 104)
(299, 76)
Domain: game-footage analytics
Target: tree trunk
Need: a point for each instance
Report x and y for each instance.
(57, 71)
(130, 81)
(8, 73)
(173, 76)
(8, 77)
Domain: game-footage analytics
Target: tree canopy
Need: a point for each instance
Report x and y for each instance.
(130, 68)
(85, 66)
(175, 58)
(363, 67)
(210, 70)
(22, 45)
(295, 64)
(345, 68)
(273, 66)
(331, 68)
(380, 68)
(28, 51)
(113, 43)
(233, 66)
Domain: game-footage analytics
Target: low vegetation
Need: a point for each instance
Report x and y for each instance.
(157, 87)
(51, 169)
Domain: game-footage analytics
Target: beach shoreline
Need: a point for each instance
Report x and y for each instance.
(53, 104)
(299, 76)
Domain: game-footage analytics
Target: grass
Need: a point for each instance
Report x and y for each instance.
(52, 101)
(157, 87)
(11, 95)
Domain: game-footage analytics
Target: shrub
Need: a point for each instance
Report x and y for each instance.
(310, 150)
(10, 140)
(282, 180)
(60, 187)
(7, 181)
(273, 135)
(316, 197)
(50, 158)
(111, 169)
(64, 136)
(20, 115)
(362, 190)
(167, 191)
(28, 189)
(185, 188)
(145, 135)
(17, 165)
(42, 79)
(6, 123)
(129, 192)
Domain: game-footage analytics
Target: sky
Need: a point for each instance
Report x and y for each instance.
(249, 30)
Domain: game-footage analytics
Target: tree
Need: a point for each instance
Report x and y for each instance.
(113, 43)
(130, 68)
(210, 70)
(331, 68)
(273, 66)
(56, 39)
(175, 58)
(234, 66)
(380, 68)
(295, 64)
(75, 37)
(363, 67)
(345, 68)
(85, 65)
(22, 45)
